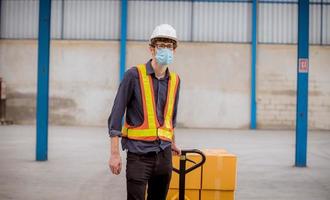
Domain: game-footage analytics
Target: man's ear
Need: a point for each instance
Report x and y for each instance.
(152, 50)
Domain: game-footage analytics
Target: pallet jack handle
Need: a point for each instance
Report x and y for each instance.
(182, 171)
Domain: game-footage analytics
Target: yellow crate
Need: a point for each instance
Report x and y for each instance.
(219, 171)
(218, 178)
(217, 195)
(173, 194)
(214, 151)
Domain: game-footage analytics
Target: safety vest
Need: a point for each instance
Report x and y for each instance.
(150, 129)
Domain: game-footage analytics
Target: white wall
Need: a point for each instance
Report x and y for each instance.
(215, 91)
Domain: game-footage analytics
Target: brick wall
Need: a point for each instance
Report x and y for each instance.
(277, 83)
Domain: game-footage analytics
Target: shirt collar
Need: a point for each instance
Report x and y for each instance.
(150, 70)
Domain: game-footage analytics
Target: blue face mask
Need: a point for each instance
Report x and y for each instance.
(164, 56)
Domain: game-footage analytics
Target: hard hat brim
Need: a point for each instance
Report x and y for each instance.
(165, 36)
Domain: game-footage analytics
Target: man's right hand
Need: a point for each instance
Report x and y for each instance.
(115, 163)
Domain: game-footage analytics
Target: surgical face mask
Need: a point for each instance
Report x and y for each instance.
(164, 56)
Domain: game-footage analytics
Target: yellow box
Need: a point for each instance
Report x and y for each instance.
(218, 176)
(214, 151)
(219, 171)
(218, 195)
(193, 178)
(173, 194)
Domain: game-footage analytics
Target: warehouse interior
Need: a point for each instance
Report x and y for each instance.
(245, 88)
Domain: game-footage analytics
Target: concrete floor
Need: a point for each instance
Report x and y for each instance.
(77, 166)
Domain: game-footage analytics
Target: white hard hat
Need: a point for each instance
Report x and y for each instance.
(164, 31)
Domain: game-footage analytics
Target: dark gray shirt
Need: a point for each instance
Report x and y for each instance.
(129, 98)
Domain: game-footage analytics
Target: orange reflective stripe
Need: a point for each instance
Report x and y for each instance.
(147, 138)
(164, 138)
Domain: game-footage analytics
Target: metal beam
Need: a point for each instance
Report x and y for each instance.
(123, 38)
(43, 79)
(302, 84)
(253, 113)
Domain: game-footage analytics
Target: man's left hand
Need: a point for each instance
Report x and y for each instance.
(175, 150)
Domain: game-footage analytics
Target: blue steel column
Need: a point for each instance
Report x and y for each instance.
(43, 79)
(123, 37)
(302, 84)
(0, 17)
(253, 114)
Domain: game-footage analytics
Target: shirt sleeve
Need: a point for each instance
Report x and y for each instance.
(176, 105)
(123, 96)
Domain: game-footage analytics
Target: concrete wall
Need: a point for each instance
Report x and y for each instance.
(214, 83)
(277, 83)
(215, 89)
(83, 80)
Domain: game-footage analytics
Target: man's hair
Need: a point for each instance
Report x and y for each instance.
(167, 40)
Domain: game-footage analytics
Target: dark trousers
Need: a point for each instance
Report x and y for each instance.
(152, 169)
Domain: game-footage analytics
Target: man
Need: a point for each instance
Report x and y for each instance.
(149, 93)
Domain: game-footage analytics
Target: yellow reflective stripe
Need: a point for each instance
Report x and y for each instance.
(124, 131)
(148, 96)
(165, 133)
(149, 133)
(171, 99)
(142, 132)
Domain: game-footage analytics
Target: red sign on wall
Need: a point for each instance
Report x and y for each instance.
(303, 65)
